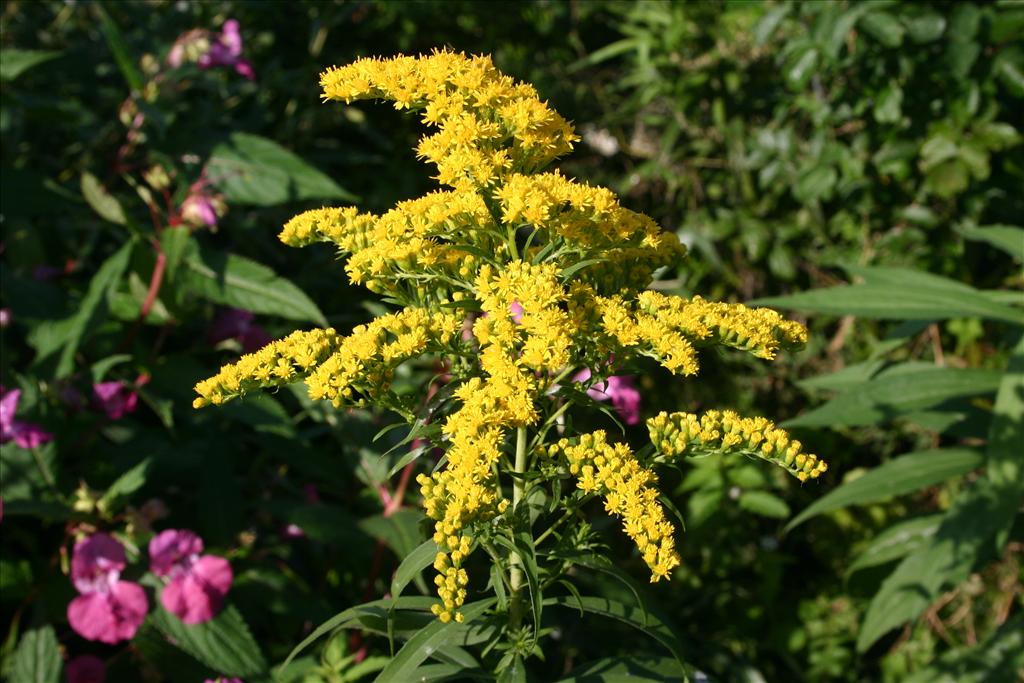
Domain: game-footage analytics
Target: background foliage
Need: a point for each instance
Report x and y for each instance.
(794, 147)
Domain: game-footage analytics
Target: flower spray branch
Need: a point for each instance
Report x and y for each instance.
(550, 276)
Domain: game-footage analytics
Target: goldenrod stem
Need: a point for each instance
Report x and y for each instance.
(515, 562)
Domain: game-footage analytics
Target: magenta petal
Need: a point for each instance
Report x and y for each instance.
(243, 67)
(86, 669)
(625, 398)
(109, 617)
(96, 563)
(172, 547)
(8, 406)
(198, 595)
(30, 436)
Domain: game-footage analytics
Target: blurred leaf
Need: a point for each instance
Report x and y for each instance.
(983, 511)
(236, 281)
(14, 62)
(898, 540)
(262, 413)
(224, 643)
(400, 531)
(1009, 238)
(250, 169)
(900, 475)
(883, 27)
(801, 67)
(100, 368)
(926, 27)
(815, 184)
(37, 659)
(764, 503)
(847, 378)
(26, 473)
(1000, 657)
(766, 25)
(898, 390)
(102, 202)
(897, 299)
(888, 106)
(93, 307)
(115, 41)
(125, 485)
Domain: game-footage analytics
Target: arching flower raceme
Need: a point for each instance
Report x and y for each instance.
(556, 274)
(22, 433)
(86, 669)
(197, 584)
(108, 610)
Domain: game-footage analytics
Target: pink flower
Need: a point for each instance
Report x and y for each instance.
(620, 390)
(114, 398)
(5, 317)
(108, 610)
(516, 309)
(86, 669)
(199, 209)
(22, 433)
(226, 50)
(198, 583)
(234, 323)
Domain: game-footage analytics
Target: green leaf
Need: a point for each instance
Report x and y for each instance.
(115, 41)
(250, 169)
(899, 294)
(899, 540)
(415, 562)
(900, 475)
(925, 28)
(102, 202)
(224, 643)
(1000, 657)
(764, 503)
(634, 616)
(817, 183)
(236, 281)
(983, 511)
(400, 531)
(888, 106)
(37, 659)
(801, 68)
(92, 308)
(1009, 238)
(631, 669)
(898, 390)
(883, 27)
(767, 24)
(14, 62)
(125, 485)
(847, 378)
(428, 639)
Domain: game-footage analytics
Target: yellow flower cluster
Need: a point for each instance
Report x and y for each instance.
(629, 492)
(488, 124)
(366, 359)
(726, 432)
(556, 269)
(281, 362)
(669, 328)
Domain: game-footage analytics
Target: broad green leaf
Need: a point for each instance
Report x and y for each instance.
(633, 616)
(888, 108)
(849, 377)
(115, 41)
(1009, 238)
(100, 368)
(102, 202)
(801, 68)
(261, 413)
(897, 391)
(236, 281)
(400, 531)
(770, 21)
(415, 562)
(515, 672)
(250, 169)
(908, 301)
(26, 474)
(224, 643)
(764, 503)
(37, 659)
(926, 27)
(979, 514)
(431, 637)
(899, 540)
(125, 485)
(900, 475)
(631, 669)
(14, 62)
(175, 243)
(883, 27)
(93, 307)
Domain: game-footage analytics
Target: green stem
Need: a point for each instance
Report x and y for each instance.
(516, 577)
